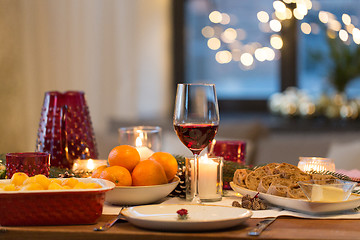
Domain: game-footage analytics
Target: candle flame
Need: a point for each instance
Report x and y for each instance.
(138, 142)
(90, 165)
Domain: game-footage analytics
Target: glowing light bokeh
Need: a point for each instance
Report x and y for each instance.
(247, 59)
(275, 25)
(305, 28)
(276, 41)
(215, 17)
(208, 32)
(263, 16)
(223, 57)
(214, 43)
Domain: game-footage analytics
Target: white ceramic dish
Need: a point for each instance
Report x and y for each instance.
(163, 217)
(135, 195)
(302, 205)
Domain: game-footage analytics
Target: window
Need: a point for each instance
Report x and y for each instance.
(250, 52)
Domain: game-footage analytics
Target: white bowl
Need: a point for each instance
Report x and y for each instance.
(136, 195)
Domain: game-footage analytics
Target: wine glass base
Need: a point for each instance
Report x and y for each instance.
(196, 200)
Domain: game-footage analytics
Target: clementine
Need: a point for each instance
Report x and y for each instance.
(168, 162)
(96, 173)
(118, 175)
(148, 172)
(125, 156)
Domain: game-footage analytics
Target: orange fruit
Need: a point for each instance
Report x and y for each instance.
(96, 173)
(168, 162)
(125, 156)
(118, 175)
(148, 172)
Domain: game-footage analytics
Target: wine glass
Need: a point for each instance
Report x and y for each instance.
(196, 120)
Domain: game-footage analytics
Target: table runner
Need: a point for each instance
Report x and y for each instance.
(231, 196)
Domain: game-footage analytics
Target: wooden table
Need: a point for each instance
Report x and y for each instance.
(282, 228)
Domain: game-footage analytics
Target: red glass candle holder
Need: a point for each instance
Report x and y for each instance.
(65, 129)
(31, 163)
(230, 150)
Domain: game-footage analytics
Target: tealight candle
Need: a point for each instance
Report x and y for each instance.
(210, 178)
(144, 151)
(87, 165)
(317, 164)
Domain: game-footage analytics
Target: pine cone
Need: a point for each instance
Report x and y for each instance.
(180, 190)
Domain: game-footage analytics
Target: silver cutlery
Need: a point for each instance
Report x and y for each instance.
(109, 224)
(256, 231)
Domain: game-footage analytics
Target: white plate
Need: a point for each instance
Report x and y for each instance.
(136, 195)
(163, 217)
(302, 205)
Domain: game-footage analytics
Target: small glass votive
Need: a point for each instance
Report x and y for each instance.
(31, 163)
(210, 178)
(316, 164)
(146, 139)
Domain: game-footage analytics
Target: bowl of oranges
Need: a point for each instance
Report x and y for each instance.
(138, 182)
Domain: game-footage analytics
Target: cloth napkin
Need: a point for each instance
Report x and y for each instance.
(231, 196)
(354, 174)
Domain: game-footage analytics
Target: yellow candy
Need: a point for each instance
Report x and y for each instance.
(55, 186)
(32, 187)
(10, 187)
(80, 185)
(71, 182)
(18, 178)
(92, 185)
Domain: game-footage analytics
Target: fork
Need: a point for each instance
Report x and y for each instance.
(109, 224)
(261, 226)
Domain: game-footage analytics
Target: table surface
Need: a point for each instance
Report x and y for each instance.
(282, 228)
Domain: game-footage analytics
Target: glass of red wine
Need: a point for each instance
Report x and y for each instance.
(196, 120)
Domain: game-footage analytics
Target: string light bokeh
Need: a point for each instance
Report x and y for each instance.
(229, 44)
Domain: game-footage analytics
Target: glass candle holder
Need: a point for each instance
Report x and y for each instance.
(146, 139)
(210, 178)
(230, 150)
(31, 163)
(318, 164)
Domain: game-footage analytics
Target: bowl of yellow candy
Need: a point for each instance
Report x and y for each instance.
(39, 200)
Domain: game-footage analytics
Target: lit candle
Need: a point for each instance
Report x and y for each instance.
(317, 164)
(208, 178)
(144, 151)
(87, 165)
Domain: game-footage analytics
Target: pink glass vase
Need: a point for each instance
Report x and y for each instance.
(65, 129)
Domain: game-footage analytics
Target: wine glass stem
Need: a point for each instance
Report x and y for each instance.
(196, 198)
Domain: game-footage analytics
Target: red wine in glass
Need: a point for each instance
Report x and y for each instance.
(196, 120)
(196, 136)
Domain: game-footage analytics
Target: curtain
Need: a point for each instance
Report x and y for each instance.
(116, 51)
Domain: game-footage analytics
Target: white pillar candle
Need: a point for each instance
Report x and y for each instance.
(144, 151)
(208, 175)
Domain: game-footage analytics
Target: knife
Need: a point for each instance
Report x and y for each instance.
(256, 231)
